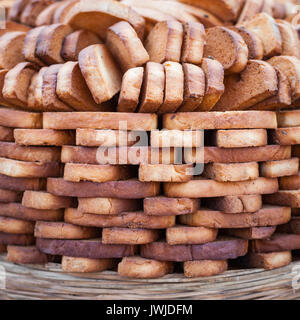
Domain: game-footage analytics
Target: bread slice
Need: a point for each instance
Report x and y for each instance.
(17, 82)
(281, 168)
(194, 87)
(265, 27)
(164, 42)
(50, 42)
(99, 16)
(16, 226)
(132, 220)
(129, 236)
(46, 16)
(286, 136)
(292, 227)
(61, 230)
(125, 45)
(163, 206)
(85, 265)
(254, 44)
(235, 204)
(77, 41)
(199, 188)
(32, 10)
(130, 189)
(35, 94)
(21, 184)
(177, 139)
(190, 235)
(17, 9)
(290, 118)
(16, 239)
(72, 89)
(250, 9)
(290, 39)
(240, 138)
(30, 44)
(282, 99)
(267, 261)
(7, 196)
(253, 233)
(174, 87)
(153, 87)
(20, 119)
(194, 39)
(289, 198)
(62, 11)
(165, 173)
(6, 134)
(45, 201)
(140, 268)
(265, 217)
(214, 86)
(50, 100)
(77, 172)
(107, 206)
(220, 120)
(290, 183)
(235, 58)
(261, 79)
(101, 74)
(130, 90)
(204, 268)
(290, 67)
(11, 46)
(11, 26)
(43, 137)
(98, 120)
(3, 101)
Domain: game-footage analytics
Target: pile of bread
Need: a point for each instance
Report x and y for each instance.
(150, 137)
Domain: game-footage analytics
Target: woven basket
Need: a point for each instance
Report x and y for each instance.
(49, 282)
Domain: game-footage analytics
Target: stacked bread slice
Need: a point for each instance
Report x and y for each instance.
(147, 139)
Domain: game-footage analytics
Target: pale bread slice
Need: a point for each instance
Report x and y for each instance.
(32, 10)
(250, 9)
(46, 16)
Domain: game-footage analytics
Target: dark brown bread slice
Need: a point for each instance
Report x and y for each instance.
(292, 227)
(98, 120)
(125, 45)
(32, 154)
(32, 10)
(25, 255)
(50, 100)
(254, 44)
(11, 46)
(152, 91)
(10, 196)
(268, 216)
(290, 67)
(131, 220)
(130, 90)
(220, 120)
(164, 42)
(214, 84)
(204, 268)
(222, 249)
(77, 41)
(259, 77)
(16, 84)
(282, 99)
(17, 9)
(194, 40)
(93, 249)
(71, 88)
(99, 16)
(265, 27)
(194, 87)
(290, 183)
(100, 72)
(62, 230)
(162, 206)
(250, 9)
(46, 16)
(16, 239)
(267, 261)
(18, 211)
(252, 233)
(140, 268)
(130, 189)
(2, 248)
(6, 134)
(16, 226)
(235, 204)
(21, 184)
(278, 242)
(289, 198)
(50, 42)
(234, 59)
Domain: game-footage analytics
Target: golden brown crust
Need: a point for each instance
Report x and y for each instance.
(274, 169)
(204, 268)
(25, 255)
(86, 265)
(15, 226)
